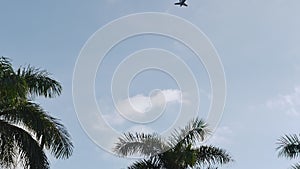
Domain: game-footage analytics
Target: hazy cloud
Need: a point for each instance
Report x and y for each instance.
(141, 104)
(289, 103)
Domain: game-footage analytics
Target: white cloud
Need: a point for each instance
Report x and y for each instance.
(141, 104)
(289, 103)
(140, 108)
(138, 103)
(144, 109)
(113, 119)
(172, 95)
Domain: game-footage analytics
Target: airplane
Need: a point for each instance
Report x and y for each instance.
(181, 3)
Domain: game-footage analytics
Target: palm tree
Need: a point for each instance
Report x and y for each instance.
(26, 129)
(289, 147)
(179, 151)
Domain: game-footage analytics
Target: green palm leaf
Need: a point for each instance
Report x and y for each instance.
(195, 131)
(180, 151)
(289, 146)
(152, 163)
(48, 130)
(296, 166)
(25, 128)
(12, 87)
(209, 155)
(31, 154)
(8, 154)
(141, 144)
(39, 83)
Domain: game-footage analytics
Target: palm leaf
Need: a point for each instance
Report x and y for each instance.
(194, 132)
(141, 144)
(289, 146)
(39, 82)
(179, 151)
(12, 87)
(29, 151)
(8, 152)
(296, 166)
(5, 65)
(152, 163)
(25, 128)
(210, 155)
(48, 130)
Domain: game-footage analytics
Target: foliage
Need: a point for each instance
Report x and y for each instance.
(179, 151)
(25, 128)
(289, 147)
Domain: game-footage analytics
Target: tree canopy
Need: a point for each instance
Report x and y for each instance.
(26, 129)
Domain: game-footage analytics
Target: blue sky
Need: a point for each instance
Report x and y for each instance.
(258, 43)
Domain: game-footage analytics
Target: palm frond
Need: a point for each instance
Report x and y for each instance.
(141, 144)
(179, 151)
(48, 130)
(8, 153)
(289, 146)
(210, 155)
(195, 131)
(178, 157)
(5, 65)
(57, 139)
(39, 82)
(152, 163)
(296, 166)
(12, 86)
(29, 151)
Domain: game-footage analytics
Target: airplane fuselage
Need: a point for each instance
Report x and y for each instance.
(181, 3)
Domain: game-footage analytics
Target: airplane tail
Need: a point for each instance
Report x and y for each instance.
(185, 4)
(177, 3)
